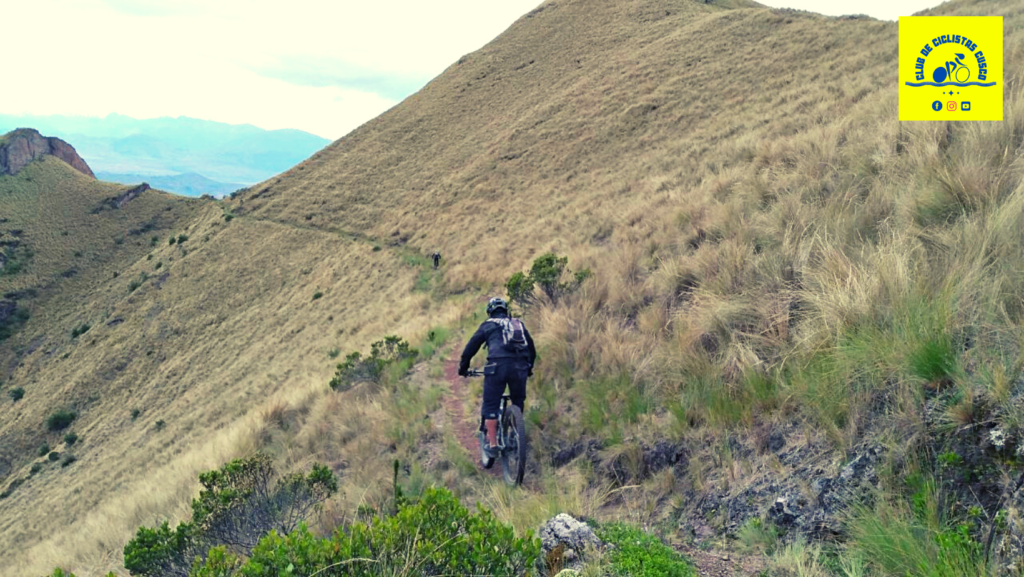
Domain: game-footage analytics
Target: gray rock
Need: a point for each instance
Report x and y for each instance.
(573, 535)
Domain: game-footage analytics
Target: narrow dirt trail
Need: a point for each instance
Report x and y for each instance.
(710, 563)
(463, 427)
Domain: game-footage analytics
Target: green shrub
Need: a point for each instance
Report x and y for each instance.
(237, 506)
(160, 424)
(60, 419)
(182, 238)
(43, 450)
(135, 414)
(219, 561)
(392, 350)
(53, 456)
(519, 288)
(333, 353)
(36, 467)
(434, 536)
(317, 295)
(149, 256)
(71, 438)
(547, 272)
(639, 553)
(153, 241)
(158, 265)
(16, 394)
(13, 323)
(80, 330)
(68, 459)
(170, 241)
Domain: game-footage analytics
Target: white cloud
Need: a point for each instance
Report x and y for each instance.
(149, 58)
(317, 65)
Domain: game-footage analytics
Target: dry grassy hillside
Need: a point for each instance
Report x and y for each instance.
(772, 251)
(581, 125)
(163, 381)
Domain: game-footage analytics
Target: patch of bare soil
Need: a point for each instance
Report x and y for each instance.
(464, 429)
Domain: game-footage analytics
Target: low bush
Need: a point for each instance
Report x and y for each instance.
(238, 504)
(70, 438)
(16, 394)
(639, 553)
(53, 456)
(547, 272)
(43, 450)
(434, 536)
(391, 351)
(13, 323)
(80, 330)
(60, 419)
(317, 295)
(68, 459)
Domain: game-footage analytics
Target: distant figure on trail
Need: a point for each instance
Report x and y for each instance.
(437, 259)
(510, 358)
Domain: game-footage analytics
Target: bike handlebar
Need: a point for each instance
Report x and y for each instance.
(474, 373)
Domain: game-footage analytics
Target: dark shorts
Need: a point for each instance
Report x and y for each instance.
(510, 373)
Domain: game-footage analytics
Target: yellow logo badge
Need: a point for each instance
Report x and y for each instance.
(951, 68)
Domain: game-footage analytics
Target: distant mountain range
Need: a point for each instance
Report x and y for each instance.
(182, 155)
(188, 184)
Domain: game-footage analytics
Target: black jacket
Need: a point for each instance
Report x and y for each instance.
(490, 334)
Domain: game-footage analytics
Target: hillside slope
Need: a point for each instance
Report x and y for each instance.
(752, 214)
(582, 119)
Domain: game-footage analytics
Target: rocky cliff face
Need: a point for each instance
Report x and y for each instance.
(24, 145)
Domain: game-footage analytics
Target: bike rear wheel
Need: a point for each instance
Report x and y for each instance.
(513, 458)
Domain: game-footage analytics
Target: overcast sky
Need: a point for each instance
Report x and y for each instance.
(324, 66)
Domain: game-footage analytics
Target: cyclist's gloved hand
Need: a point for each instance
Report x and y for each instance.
(529, 370)
(463, 371)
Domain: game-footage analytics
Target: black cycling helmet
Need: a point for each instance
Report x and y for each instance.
(495, 304)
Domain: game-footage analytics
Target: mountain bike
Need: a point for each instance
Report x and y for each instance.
(511, 439)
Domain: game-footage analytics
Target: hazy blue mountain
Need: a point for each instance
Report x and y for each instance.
(190, 184)
(219, 154)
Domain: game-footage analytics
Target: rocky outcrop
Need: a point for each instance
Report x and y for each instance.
(118, 202)
(24, 145)
(569, 538)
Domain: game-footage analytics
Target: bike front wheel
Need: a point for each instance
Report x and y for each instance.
(513, 457)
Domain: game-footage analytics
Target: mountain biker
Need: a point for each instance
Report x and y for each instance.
(510, 358)
(437, 258)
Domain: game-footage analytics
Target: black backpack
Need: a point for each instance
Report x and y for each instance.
(513, 334)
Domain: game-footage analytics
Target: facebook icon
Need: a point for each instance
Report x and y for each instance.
(937, 106)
